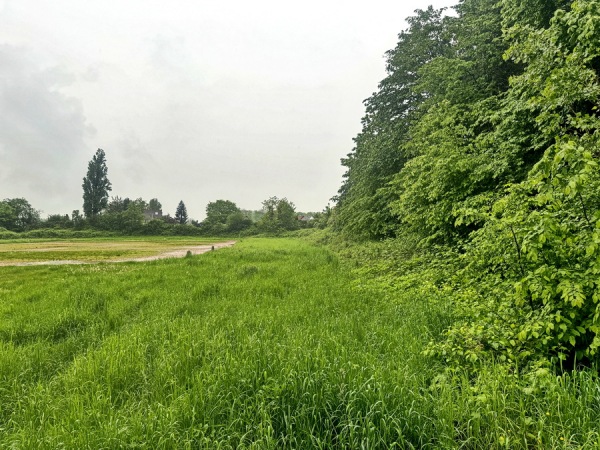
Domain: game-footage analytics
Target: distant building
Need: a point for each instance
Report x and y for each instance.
(151, 215)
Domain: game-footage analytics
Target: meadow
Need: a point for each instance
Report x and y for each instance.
(273, 343)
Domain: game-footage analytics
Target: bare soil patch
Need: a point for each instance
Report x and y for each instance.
(176, 253)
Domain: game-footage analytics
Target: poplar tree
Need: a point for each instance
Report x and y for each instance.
(96, 185)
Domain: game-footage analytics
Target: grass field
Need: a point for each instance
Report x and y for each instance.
(93, 250)
(269, 344)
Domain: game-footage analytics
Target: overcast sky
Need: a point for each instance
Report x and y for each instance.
(191, 100)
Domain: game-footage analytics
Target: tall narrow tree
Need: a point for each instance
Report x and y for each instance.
(181, 213)
(96, 185)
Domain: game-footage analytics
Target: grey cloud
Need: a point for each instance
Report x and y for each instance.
(42, 130)
(135, 158)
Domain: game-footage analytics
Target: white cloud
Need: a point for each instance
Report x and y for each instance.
(43, 131)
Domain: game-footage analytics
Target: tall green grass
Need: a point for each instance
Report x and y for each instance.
(269, 344)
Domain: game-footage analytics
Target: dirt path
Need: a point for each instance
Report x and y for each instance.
(177, 253)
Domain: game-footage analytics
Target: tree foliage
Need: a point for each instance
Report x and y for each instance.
(534, 266)
(17, 214)
(363, 208)
(96, 185)
(154, 206)
(279, 215)
(218, 211)
(224, 216)
(181, 213)
(484, 139)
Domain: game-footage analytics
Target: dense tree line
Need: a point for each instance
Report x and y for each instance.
(136, 216)
(482, 144)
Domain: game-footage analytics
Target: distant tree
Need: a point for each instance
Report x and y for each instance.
(155, 227)
(286, 215)
(154, 205)
(322, 218)
(96, 185)
(237, 222)
(58, 221)
(16, 214)
(223, 216)
(122, 215)
(268, 222)
(127, 222)
(219, 210)
(139, 204)
(77, 218)
(166, 218)
(279, 215)
(254, 216)
(181, 213)
(116, 205)
(6, 215)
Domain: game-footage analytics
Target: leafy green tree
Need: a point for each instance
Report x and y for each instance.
(154, 205)
(237, 222)
(138, 204)
(269, 218)
(77, 219)
(96, 185)
(6, 215)
(457, 166)
(58, 221)
(423, 150)
(219, 210)
(279, 215)
(224, 216)
(181, 216)
(363, 209)
(155, 227)
(520, 17)
(132, 219)
(123, 215)
(530, 288)
(482, 142)
(17, 214)
(116, 205)
(286, 215)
